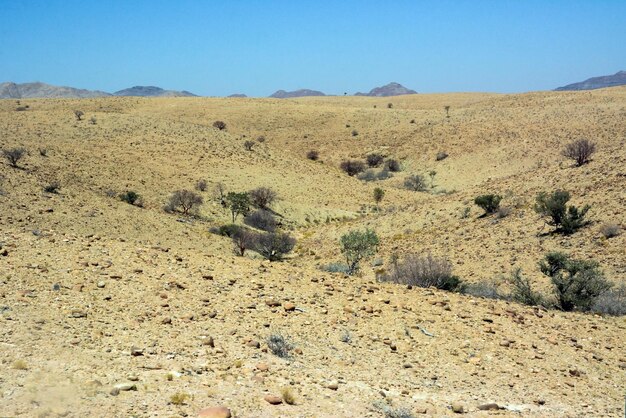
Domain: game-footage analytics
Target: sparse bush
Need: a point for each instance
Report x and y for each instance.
(184, 200)
(393, 166)
(248, 145)
(398, 413)
(389, 105)
(262, 197)
(261, 219)
(482, 290)
(279, 345)
(612, 302)
(260, 139)
(610, 230)
(220, 193)
(227, 230)
(52, 187)
(179, 398)
(356, 246)
(201, 185)
(273, 245)
(79, 114)
(93, 120)
(503, 212)
(566, 219)
(522, 291)
(243, 239)
(352, 167)
(374, 160)
(488, 202)
(14, 155)
(21, 108)
(313, 155)
(373, 175)
(336, 268)
(238, 203)
(129, 197)
(378, 195)
(441, 155)
(218, 124)
(424, 271)
(580, 151)
(288, 396)
(415, 182)
(20, 365)
(576, 283)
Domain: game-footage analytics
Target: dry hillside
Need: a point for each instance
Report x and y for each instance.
(95, 292)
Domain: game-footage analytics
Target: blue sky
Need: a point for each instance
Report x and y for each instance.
(256, 47)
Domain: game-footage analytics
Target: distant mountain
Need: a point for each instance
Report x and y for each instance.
(282, 94)
(617, 79)
(238, 95)
(41, 90)
(152, 91)
(391, 89)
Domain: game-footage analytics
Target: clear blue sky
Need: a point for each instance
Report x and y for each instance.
(255, 47)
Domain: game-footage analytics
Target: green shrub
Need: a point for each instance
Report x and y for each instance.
(566, 219)
(357, 245)
(273, 246)
(378, 195)
(576, 283)
(238, 203)
(488, 202)
(130, 197)
(522, 291)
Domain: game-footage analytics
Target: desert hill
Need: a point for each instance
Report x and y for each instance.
(40, 90)
(282, 94)
(152, 91)
(391, 89)
(95, 292)
(617, 79)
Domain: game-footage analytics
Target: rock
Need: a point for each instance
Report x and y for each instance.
(505, 343)
(253, 344)
(166, 321)
(457, 408)
(273, 399)
(262, 367)
(489, 407)
(215, 412)
(122, 387)
(289, 307)
(76, 313)
(135, 352)
(208, 341)
(272, 303)
(101, 285)
(333, 385)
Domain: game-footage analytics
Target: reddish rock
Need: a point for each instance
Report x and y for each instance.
(273, 399)
(215, 412)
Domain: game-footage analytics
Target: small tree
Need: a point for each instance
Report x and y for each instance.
(580, 151)
(415, 182)
(219, 125)
(79, 114)
(447, 109)
(488, 202)
(378, 195)
(243, 239)
(313, 155)
(185, 200)
(238, 203)
(220, 193)
(576, 283)
(352, 167)
(262, 197)
(14, 155)
(566, 219)
(274, 246)
(356, 246)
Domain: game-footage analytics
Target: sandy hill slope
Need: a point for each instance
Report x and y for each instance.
(95, 292)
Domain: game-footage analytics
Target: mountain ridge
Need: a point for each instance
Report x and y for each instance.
(600, 82)
(388, 90)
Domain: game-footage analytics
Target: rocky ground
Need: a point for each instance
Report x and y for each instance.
(109, 309)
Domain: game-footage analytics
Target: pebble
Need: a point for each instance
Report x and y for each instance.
(457, 407)
(215, 412)
(289, 307)
(334, 385)
(489, 407)
(101, 285)
(273, 399)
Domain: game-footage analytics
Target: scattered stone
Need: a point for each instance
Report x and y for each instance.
(262, 367)
(333, 385)
(135, 352)
(273, 399)
(253, 344)
(215, 412)
(489, 407)
(457, 408)
(289, 307)
(101, 285)
(76, 313)
(208, 341)
(166, 321)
